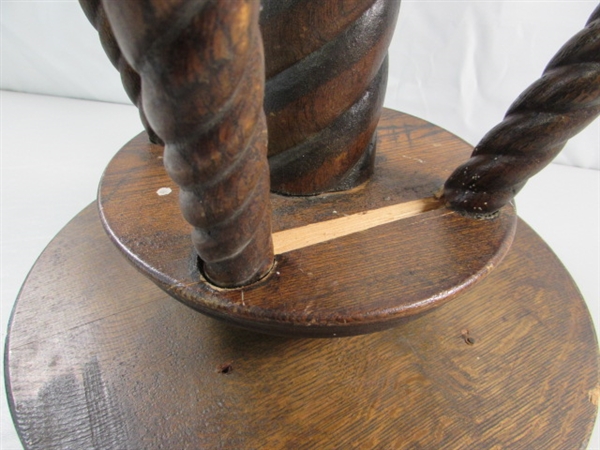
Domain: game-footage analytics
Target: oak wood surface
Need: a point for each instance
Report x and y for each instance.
(360, 282)
(98, 357)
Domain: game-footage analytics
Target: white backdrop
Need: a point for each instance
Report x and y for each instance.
(456, 63)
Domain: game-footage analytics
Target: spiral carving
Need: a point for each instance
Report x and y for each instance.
(202, 71)
(535, 129)
(326, 66)
(94, 11)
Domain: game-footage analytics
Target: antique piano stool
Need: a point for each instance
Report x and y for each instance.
(314, 213)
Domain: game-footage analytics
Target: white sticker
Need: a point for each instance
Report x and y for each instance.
(164, 191)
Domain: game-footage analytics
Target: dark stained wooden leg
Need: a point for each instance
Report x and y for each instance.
(537, 126)
(131, 79)
(202, 71)
(326, 65)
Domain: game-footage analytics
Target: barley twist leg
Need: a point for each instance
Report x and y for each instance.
(201, 65)
(326, 64)
(94, 11)
(535, 129)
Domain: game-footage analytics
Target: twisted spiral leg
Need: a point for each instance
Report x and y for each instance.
(326, 66)
(94, 11)
(535, 129)
(202, 71)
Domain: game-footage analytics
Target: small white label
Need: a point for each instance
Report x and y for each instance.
(164, 191)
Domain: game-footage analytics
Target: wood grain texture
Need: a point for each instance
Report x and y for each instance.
(319, 232)
(95, 13)
(202, 70)
(98, 357)
(362, 282)
(326, 66)
(536, 127)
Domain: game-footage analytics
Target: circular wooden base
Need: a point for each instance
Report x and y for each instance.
(98, 357)
(346, 263)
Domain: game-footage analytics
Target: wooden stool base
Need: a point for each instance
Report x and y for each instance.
(99, 357)
(346, 263)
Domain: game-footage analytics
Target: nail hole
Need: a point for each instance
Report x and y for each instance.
(466, 337)
(225, 368)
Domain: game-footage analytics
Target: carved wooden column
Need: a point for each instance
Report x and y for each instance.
(131, 79)
(326, 67)
(535, 129)
(202, 71)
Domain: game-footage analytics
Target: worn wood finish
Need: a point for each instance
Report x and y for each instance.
(95, 13)
(365, 280)
(326, 65)
(535, 129)
(202, 85)
(99, 357)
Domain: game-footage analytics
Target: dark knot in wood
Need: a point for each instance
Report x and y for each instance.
(535, 129)
(326, 66)
(202, 71)
(95, 13)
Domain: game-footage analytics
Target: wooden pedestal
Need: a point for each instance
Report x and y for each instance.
(346, 263)
(99, 357)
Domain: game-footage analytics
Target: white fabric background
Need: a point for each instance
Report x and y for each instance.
(458, 64)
